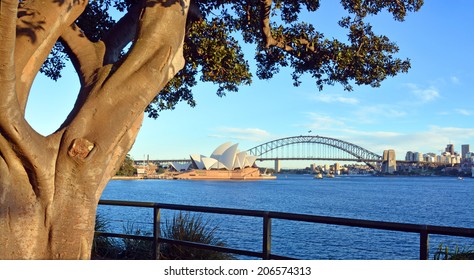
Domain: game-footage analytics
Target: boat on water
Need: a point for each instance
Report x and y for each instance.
(460, 178)
(330, 175)
(318, 176)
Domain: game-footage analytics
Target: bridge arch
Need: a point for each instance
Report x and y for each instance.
(351, 152)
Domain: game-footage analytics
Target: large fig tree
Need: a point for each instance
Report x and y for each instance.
(143, 56)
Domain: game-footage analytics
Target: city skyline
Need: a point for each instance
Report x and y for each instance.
(423, 110)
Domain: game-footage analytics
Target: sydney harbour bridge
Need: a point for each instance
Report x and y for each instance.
(315, 148)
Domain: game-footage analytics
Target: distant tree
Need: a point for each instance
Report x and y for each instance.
(149, 60)
(127, 168)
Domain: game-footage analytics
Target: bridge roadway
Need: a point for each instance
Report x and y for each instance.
(166, 161)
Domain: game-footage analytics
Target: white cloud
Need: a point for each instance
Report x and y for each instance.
(424, 94)
(324, 122)
(371, 114)
(464, 112)
(455, 80)
(335, 98)
(458, 132)
(378, 134)
(433, 139)
(436, 138)
(247, 134)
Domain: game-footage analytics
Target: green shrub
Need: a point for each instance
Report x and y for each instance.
(183, 227)
(136, 249)
(444, 253)
(191, 228)
(104, 247)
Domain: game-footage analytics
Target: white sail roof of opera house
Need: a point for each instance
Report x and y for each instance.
(180, 166)
(226, 156)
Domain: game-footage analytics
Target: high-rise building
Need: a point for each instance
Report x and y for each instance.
(417, 156)
(414, 156)
(464, 150)
(450, 149)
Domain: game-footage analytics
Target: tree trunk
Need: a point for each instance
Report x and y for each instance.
(50, 186)
(52, 216)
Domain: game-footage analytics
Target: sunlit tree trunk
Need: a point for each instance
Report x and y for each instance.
(50, 185)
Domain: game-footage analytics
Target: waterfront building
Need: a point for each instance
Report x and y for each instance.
(464, 150)
(456, 159)
(417, 156)
(225, 163)
(429, 157)
(440, 158)
(414, 156)
(445, 158)
(470, 157)
(180, 166)
(450, 149)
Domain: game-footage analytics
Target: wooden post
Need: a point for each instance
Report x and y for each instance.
(267, 236)
(424, 245)
(156, 233)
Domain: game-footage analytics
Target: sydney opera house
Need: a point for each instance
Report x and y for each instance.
(225, 163)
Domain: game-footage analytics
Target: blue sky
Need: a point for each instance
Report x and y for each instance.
(423, 110)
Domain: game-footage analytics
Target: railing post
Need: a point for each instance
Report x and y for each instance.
(267, 236)
(424, 244)
(156, 232)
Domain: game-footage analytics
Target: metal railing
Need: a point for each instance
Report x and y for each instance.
(423, 230)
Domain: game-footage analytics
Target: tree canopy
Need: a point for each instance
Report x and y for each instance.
(216, 31)
(133, 56)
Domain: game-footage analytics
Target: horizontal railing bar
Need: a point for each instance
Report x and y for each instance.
(454, 231)
(183, 243)
(211, 247)
(128, 203)
(122, 235)
(278, 257)
(347, 222)
(204, 209)
(404, 227)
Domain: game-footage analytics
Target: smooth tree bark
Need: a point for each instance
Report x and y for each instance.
(50, 186)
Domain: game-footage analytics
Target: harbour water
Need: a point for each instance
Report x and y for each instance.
(443, 201)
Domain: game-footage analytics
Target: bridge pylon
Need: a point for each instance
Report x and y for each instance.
(277, 166)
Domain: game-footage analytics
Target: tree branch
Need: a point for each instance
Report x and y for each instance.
(39, 25)
(270, 41)
(8, 13)
(85, 55)
(194, 13)
(121, 92)
(123, 32)
(157, 54)
(266, 6)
